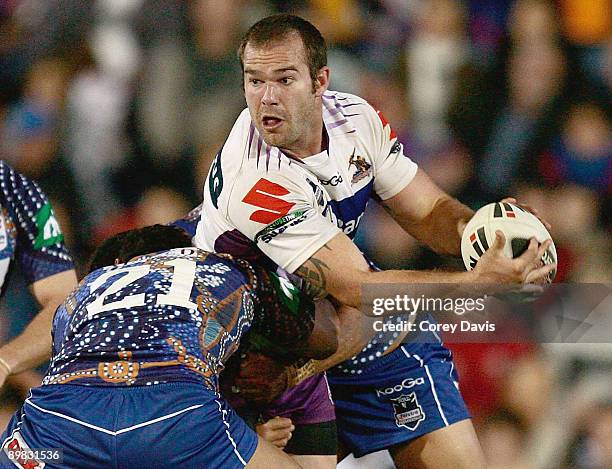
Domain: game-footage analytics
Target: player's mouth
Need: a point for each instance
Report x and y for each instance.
(271, 122)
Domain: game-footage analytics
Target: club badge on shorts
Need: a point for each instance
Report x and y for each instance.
(408, 412)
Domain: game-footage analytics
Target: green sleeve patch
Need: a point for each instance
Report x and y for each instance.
(49, 232)
(288, 294)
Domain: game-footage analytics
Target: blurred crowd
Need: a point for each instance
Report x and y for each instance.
(117, 107)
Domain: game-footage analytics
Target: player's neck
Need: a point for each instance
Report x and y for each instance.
(313, 144)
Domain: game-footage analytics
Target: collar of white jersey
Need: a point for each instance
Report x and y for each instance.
(318, 159)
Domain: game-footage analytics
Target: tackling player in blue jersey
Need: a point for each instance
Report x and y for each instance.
(137, 351)
(31, 236)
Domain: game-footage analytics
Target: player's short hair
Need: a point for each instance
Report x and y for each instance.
(275, 28)
(124, 246)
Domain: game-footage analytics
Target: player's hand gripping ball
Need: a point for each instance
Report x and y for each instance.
(517, 224)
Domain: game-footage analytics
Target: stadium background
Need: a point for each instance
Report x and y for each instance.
(117, 107)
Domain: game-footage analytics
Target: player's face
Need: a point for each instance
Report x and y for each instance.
(279, 92)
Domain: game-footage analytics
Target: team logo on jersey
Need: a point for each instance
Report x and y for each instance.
(49, 232)
(408, 412)
(280, 226)
(266, 195)
(363, 167)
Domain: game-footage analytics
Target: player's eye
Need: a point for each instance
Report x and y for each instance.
(255, 81)
(286, 80)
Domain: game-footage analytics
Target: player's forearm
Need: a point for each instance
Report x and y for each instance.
(33, 346)
(340, 270)
(441, 230)
(297, 374)
(439, 283)
(354, 333)
(323, 340)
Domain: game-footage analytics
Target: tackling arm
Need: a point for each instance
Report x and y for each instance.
(33, 346)
(323, 340)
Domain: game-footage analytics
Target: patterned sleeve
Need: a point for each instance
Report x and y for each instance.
(40, 247)
(285, 315)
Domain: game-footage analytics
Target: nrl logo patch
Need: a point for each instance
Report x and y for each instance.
(408, 412)
(363, 167)
(49, 232)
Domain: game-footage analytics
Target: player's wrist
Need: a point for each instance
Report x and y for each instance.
(296, 374)
(5, 367)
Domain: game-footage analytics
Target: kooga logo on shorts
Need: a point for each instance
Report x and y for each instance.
(406, 384)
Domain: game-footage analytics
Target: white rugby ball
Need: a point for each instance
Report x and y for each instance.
(517, 224)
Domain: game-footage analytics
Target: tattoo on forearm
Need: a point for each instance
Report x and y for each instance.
(313, 273)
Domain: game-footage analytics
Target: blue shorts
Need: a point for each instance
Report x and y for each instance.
(164, 425)
(396, 398)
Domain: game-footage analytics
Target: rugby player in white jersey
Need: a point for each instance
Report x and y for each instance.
(291, 183)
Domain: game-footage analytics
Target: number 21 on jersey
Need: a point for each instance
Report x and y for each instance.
(178, 294)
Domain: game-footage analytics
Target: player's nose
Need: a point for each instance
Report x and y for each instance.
(270, 95)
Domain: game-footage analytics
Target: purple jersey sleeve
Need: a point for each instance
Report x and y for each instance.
(35, 233)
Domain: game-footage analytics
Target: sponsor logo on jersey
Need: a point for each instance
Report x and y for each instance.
(408, 383)
(349, 226)
(333, 181)
(49, 232)
(266, 195)
(280, 226)
(363, 167)
(215, 180)
(408, 412)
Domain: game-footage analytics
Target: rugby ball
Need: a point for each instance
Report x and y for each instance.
(517, 224)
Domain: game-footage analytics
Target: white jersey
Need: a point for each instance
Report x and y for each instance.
(259, 200)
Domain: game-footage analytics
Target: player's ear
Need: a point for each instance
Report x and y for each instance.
(118, 261)
(321, 83)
